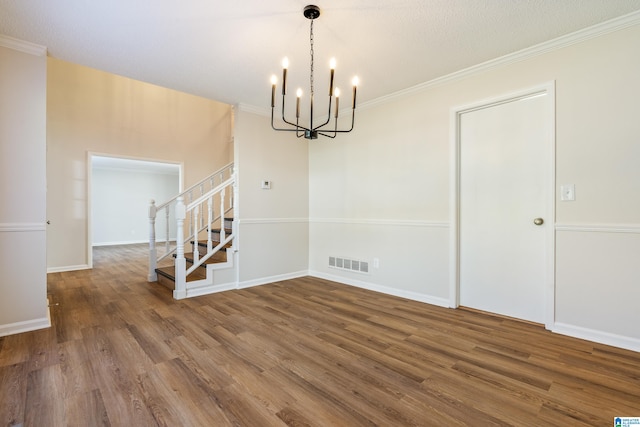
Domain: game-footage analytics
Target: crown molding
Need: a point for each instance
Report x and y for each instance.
(260, 111)
(22, 46)
(561, 42)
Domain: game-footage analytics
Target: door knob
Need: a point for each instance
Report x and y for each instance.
(538, 221)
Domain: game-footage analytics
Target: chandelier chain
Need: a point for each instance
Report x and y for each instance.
(311, 52)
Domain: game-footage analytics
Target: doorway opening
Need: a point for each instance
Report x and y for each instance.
(120, 191)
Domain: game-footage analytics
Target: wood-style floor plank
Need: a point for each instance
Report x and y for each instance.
(303, 352)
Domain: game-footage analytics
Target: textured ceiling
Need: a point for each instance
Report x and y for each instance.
(227, 50)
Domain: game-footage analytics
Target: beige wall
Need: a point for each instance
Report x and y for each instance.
(93, 111)
(383, 190)
(23, 305)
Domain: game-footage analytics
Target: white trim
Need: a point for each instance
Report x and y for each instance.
(22, 226)
(26, 326)
(260, 111)
(360, 221)
(131, 242)
(89, 207)
(208, 289)
(23, 46)
(272, 279)
(128, 242)
(561, 42)
(600, 228)
(69, 268)
(616, 24)
(454, 194)
(383, 222)
(593, 335)
(414, 296)
(272, 220)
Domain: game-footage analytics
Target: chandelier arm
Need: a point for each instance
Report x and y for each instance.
(334, 132)
(328, 116)
(296, 128)
(296, 125)
(283, 119)
(298, 133)
(337, 131)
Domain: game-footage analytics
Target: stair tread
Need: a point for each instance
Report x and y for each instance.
(169, 273)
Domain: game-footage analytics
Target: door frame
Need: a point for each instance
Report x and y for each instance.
(549, 212)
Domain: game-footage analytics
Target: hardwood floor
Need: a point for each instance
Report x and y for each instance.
(304, 352)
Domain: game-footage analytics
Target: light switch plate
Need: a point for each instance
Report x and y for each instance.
(568, 192)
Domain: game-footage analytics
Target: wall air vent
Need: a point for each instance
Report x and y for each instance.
(354, 265)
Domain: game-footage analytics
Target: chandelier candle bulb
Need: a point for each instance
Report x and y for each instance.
(274, 80)
(337, 102)
(285, 65)
(355, 85)
(332, 65)
(298, 96)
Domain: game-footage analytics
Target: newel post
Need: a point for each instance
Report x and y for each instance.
(180, 290)
(152, 276)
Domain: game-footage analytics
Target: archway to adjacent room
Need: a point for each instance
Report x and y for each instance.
(120, 189)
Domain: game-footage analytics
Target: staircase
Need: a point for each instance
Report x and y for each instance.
(220, 259)
(200, 218)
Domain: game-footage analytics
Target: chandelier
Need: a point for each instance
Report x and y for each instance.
(312, 12)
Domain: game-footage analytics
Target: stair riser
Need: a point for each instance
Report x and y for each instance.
(166, 282)
(228, 223)
(215, 234)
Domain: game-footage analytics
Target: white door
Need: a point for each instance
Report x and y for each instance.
(503, 194)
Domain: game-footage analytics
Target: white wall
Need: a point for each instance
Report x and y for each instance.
(23, 305)
(383, 190)
(273, 239)
(120, 204)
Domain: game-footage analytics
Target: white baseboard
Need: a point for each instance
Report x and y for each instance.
(129, 242)
(68, 268)
(196, 291)
(601, 337)
(272, 279)
(26, 326)
(414, 296)
(209, 289)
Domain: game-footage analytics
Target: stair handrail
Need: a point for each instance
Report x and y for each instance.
(220, 172)
(169, 208)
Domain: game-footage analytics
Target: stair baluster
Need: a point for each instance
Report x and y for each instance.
(209, 221)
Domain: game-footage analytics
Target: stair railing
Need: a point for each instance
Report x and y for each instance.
(191, 214)
(181, 216)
